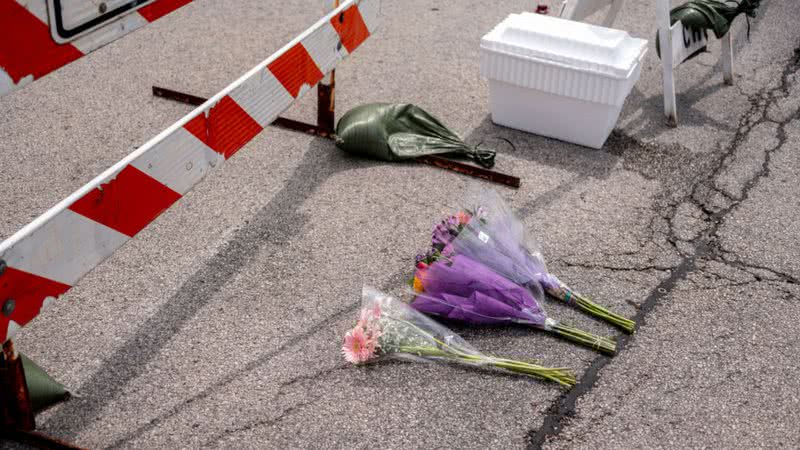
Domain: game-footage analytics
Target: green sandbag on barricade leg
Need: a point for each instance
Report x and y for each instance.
(396, 132)
(43, 389)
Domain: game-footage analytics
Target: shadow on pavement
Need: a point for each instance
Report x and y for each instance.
(276, 223)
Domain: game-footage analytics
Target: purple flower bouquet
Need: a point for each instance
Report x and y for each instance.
(496, 238)
(457, 287)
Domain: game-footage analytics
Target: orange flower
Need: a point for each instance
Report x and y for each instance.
(463, 218)
(418, 287)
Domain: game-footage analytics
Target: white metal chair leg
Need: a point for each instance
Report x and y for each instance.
(668, 76)
(612, 13)
(727, 59)
(579, 10)
(568, 9)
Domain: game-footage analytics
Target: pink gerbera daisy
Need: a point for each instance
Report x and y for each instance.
(376, 311)
(369, 318)
(357, 347)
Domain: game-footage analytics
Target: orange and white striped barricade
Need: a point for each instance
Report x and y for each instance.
(39, 36)
(48, 256)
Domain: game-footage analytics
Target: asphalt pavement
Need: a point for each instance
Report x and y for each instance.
(220, 324)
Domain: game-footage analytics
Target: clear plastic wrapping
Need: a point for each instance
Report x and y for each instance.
(498, 239)
(388, 328)
(480, 270)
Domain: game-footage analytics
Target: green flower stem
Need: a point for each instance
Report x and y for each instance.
(558, 374)
(561, 376)
(569, 296)
(597, 343)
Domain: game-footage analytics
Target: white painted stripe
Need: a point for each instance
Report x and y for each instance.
(323, 47)
(303, 89)
(370, 10)
(7, 83)
(64, 248)
(111, 32)
(13, 328)
(262, 96)
(36, 7)
(179, 161)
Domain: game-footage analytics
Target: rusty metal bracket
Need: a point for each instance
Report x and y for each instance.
(178, 96)
(36, 440)
(467, 169)
(282, 122)
(17, 420)
(325, 128)
(16, 410)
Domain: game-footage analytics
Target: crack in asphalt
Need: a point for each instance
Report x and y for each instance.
(752, 268)
(252, 365)
(564, 406)
(705, 246)
(285, 413)
(649, 268)
(233, 376)
(261, 423)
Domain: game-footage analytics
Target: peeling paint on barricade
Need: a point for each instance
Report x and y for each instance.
(351, 28)
(199, 128)
(57, 249)
(126, 203)
(28, 292)
(27, 49)
(226, 127)
(229, 127)
(296, 69)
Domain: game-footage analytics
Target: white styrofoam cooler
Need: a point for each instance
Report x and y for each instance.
(559, 78)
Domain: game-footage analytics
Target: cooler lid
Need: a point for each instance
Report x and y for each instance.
(568, 43)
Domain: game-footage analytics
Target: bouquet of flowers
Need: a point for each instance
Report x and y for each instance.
(457, 287)
(388, 327)
(491, 234)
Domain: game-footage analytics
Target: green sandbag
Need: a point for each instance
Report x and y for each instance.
(395, 132)
(43, 389)
(711, 15)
